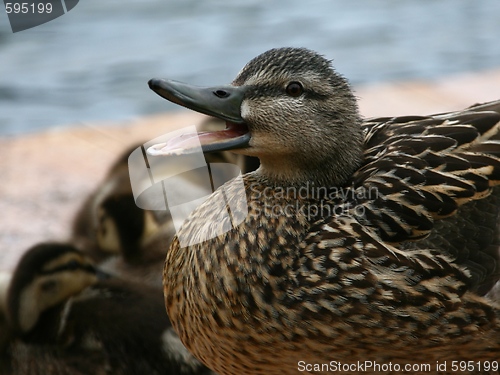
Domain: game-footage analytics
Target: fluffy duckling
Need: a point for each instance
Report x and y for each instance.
(341, 255)
(109, 222)
(124, 239)
(67, 319)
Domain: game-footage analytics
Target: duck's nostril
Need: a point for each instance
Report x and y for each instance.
(221, 93)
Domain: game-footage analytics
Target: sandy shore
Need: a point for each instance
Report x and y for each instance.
(46, 176)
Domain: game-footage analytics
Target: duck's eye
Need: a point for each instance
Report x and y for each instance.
(48, 285)
(294, 89)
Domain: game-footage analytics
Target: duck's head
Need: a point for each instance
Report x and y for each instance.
(288, 107)
(46, 275)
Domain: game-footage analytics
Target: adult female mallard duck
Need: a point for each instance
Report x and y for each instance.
(66, 319)
(357, 245)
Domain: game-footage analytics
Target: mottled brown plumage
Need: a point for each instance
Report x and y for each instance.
(385, 258)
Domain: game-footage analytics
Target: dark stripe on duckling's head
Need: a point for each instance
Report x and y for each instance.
(121, 225)
(45, 276)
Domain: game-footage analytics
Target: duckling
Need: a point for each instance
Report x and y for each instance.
(128, 241)
(340, 257)
(109, 222)
(68, 319)
(122, 238)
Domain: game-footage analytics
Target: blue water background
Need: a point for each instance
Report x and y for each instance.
(93, 63)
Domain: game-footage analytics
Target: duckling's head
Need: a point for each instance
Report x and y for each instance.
(288, 107)
(122, 227)
(46, 275)
(109, 222)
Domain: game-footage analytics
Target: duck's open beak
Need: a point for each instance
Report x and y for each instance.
(222, 102)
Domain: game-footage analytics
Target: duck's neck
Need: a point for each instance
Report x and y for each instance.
(293, 171)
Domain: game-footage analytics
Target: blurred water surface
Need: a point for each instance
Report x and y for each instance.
(93, 63)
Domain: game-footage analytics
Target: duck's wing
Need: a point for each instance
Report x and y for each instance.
(420, 169)
(472, 238)
(347, 273)
(422, 175)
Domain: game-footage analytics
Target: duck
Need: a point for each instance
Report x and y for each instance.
(124, 239)
(355, 241)
(68, 317)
